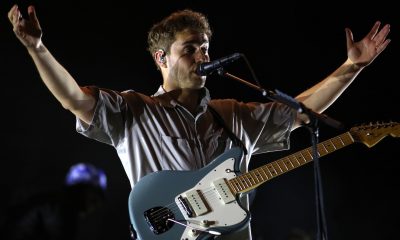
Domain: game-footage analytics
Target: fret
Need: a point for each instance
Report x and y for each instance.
(305, 155)
(271, 170)
(232, 187)
(309, 151)
(310, 156)
(257, 175)
(236, 184)
(265, 167)
(321, 147)
(239, 184)
(251, 179)
(254, 177)
(247, 177)
(282, 165)
(239, 181)
(332, 144)
(347, 138)
(328, 146)
(265, 174)
(341, 140)
(263, 178)
(297, 161)
(337, 142)
(277, 168)
(300, 158)
(288, 163)
(243, 179)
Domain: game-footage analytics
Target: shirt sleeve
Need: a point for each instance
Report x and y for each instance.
(107, 125)
(274, 131)
(262, 127)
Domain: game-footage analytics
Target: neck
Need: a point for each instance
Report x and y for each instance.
(189, 98)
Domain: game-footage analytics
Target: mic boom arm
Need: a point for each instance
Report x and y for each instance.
(279, 96)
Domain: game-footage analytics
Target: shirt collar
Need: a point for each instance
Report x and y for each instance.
(167, 101)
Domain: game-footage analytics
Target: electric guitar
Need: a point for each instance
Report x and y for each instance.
(202, 204)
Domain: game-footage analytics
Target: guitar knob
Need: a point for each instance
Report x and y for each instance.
(193, 232)
(205, 223)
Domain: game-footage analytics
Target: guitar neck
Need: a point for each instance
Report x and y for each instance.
(260, 175)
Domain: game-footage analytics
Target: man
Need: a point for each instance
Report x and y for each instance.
(180, 127)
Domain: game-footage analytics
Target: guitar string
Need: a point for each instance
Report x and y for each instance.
(211, 192)
(208, 192)
(163, 211)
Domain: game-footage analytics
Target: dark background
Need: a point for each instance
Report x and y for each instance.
(291, 46)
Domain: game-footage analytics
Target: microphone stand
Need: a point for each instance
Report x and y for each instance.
(277, 96)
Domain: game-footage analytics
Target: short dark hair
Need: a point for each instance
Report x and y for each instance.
(163, 33)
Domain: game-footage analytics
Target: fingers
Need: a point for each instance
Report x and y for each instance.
(382, 46)
(349, 38)
(380, 37)
(33, 16)
(374, 30)
(14, 15)
(11, 13)
(32, 13)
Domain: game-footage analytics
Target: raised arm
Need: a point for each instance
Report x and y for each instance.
(60, 83)
(359, 55)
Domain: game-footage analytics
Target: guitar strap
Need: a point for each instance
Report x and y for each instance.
(231, 135)
(251, 194)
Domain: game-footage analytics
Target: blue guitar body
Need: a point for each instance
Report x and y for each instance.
(189, 205)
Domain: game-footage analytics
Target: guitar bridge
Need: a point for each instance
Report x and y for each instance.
(157, 219)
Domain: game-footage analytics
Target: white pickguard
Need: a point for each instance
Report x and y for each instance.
(221, 214)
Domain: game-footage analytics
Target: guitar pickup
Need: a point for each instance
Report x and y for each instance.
(195, 201)
(223, 190)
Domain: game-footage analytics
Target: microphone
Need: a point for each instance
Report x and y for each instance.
(207, 68)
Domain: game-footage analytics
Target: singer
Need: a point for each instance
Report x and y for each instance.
(180, 127)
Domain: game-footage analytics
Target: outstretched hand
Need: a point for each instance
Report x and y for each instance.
(362, 53)
(28, 31)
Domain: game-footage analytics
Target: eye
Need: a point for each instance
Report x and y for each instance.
(189, 50)
(204, 50)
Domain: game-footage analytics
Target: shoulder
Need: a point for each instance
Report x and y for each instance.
(233, 104)
(255, 109)
(118, 97)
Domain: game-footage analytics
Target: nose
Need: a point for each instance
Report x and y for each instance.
(202, 57)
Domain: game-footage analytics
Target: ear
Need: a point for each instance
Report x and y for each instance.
(159, 56)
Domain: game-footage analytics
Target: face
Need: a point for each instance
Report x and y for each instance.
(187, 52)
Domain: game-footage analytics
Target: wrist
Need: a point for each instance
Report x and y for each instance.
(354, 66)
(39, 48)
